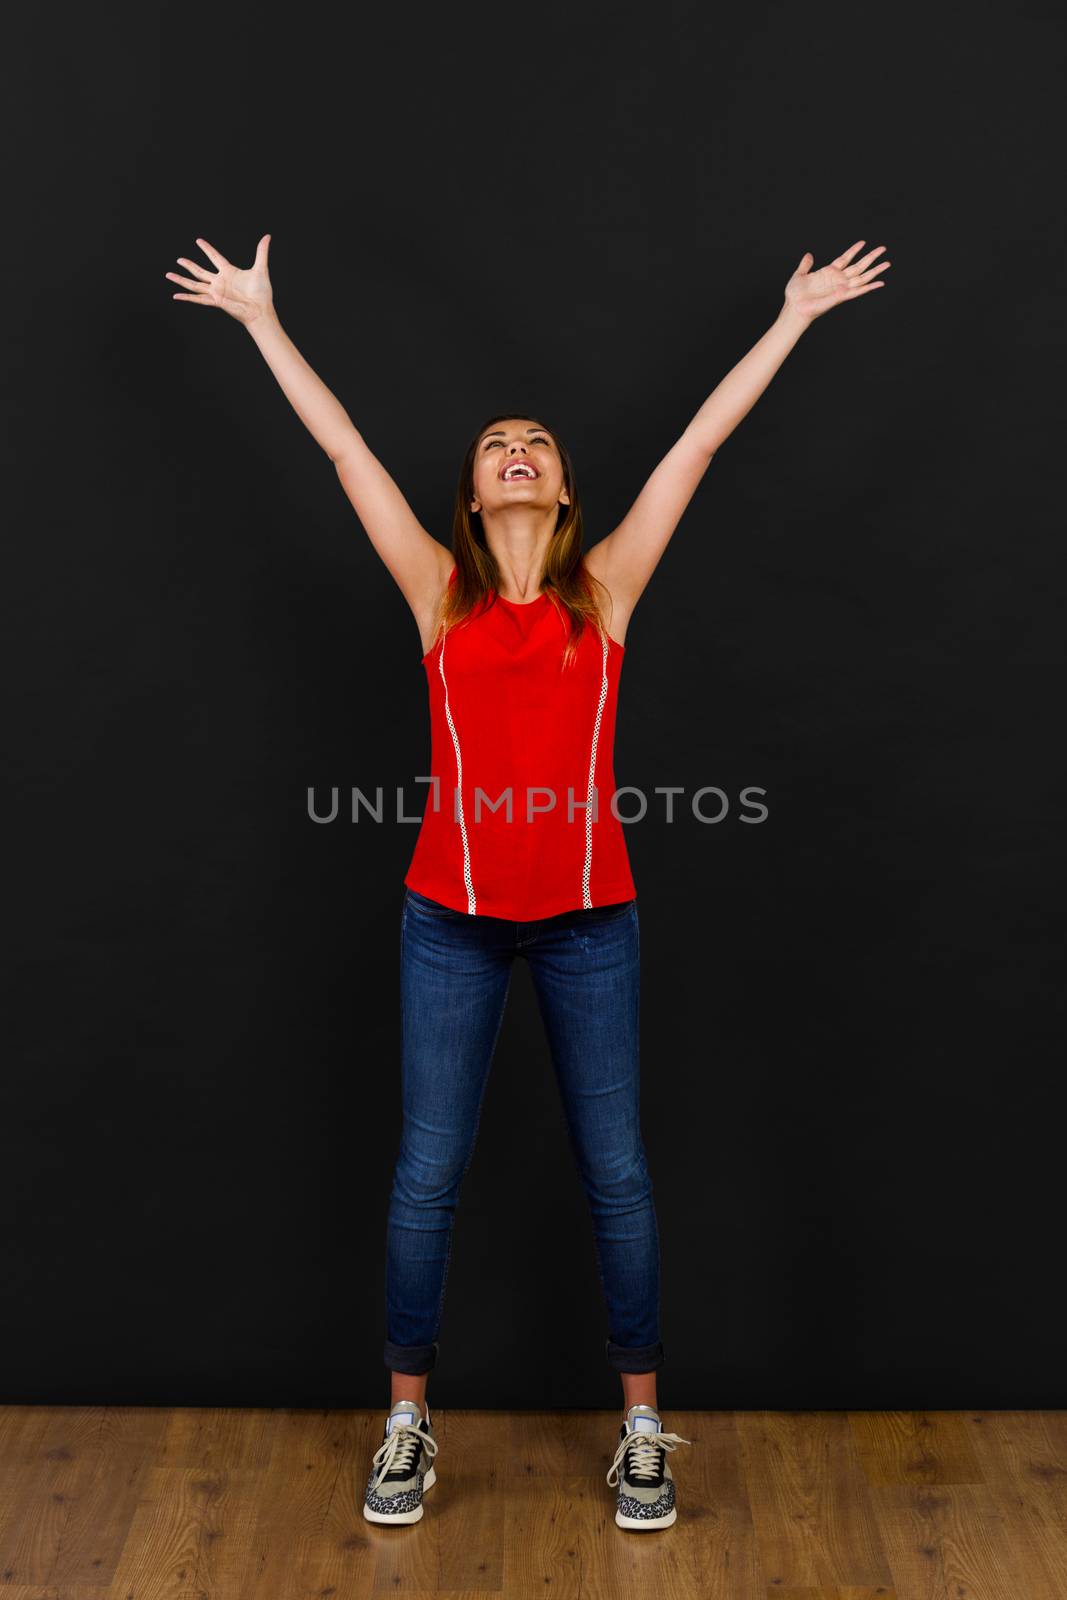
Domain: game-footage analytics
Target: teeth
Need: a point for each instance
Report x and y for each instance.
(519, 470)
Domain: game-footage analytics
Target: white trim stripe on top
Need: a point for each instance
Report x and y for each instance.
(459, 787)
(587, 903)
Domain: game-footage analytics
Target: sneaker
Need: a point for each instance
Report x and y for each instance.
(646, 1485)
(402, 1466)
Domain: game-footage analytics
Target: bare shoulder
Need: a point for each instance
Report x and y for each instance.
(616, 608)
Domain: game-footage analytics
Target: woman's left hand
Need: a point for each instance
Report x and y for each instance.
(811, 293)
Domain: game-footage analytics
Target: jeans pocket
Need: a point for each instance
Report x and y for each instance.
(598, 914)
(430, 908)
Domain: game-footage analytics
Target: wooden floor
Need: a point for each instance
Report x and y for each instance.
(140, 1504)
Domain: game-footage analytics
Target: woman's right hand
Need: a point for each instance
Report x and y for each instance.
(242, 292)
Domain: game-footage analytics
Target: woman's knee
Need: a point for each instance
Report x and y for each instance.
(621, 1182)
(430, 1181)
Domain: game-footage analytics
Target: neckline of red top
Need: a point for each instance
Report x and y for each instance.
(520, 605)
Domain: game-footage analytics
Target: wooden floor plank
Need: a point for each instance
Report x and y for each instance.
(229, 1503)
(340, 1560)
(101, 1494)
(879, 1592)
(214, 1439)
(1054, 1424)
(545, 1515)
(470, 1510)
(1035, 1540)
(161, 1552)
(539, 1444)
(1024, 1461)
(311, 1451)
(815, 1526)
(711, 1468)
(915, 1446)
(717, 1553)
(1023, 1447)
(27, 1433)
(54, 1457)
(954, 1542)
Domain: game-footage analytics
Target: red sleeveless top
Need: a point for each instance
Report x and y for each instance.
(519, 822)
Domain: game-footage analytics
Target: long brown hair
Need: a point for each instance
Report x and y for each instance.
(564, 578)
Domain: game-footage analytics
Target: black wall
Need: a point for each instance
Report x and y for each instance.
(852, 1017)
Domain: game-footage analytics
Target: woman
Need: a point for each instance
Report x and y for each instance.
(520, 850)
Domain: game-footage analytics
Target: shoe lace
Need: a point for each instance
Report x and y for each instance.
(399, 1450)
(646, 1454)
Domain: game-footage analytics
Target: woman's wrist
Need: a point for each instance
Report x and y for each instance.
(267, 318)
(792, 321)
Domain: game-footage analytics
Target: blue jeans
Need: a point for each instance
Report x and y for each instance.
(455, 970)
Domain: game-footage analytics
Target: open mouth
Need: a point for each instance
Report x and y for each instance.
(518, 469)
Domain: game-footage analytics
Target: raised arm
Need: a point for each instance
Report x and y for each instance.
(419, 563)
(626, 558)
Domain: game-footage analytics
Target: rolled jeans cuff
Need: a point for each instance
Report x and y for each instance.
(634, 1358)
(412, 1359)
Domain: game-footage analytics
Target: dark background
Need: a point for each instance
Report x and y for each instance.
(851, 1014)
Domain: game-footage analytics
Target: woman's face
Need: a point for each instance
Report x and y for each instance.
(517, 463)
